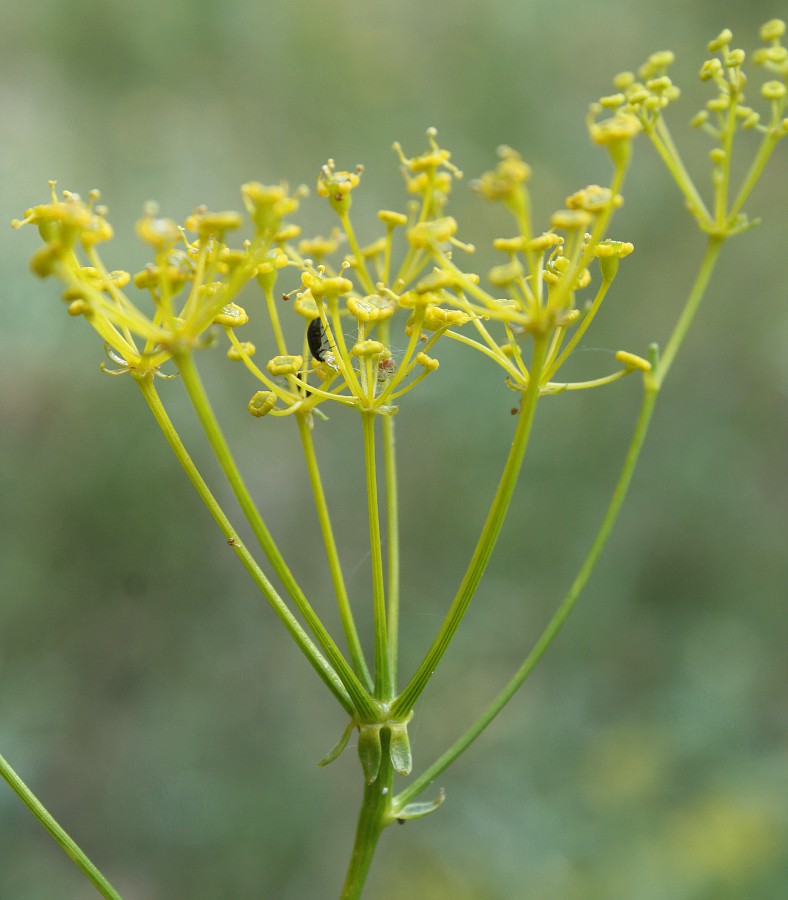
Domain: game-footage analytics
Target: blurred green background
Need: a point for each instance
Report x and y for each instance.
(149, 697)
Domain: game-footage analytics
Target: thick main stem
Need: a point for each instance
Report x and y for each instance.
(374, 816)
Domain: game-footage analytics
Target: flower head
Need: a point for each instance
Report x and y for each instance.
(191, 285)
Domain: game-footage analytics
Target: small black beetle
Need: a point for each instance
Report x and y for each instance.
(315, 336)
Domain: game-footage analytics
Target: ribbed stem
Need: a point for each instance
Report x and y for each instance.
(374, 816)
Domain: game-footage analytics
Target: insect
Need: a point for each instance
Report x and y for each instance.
(315, 337)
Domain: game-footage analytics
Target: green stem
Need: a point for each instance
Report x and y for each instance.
(374, 816)
(392, 537)
(487, 540)
(560, 616)
(361, 265)
(334, 564)
(194, 387)
(663, 143)
(580, 330)
(67, 843)
(754, 173)
(307, 647)
(382, 666)
(690, 309)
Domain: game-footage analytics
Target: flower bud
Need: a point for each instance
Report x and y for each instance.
(772, 30)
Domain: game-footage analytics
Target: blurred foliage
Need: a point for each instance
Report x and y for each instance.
(141, 686)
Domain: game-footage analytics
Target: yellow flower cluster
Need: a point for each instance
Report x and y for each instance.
(189, 286)
(347, 303)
